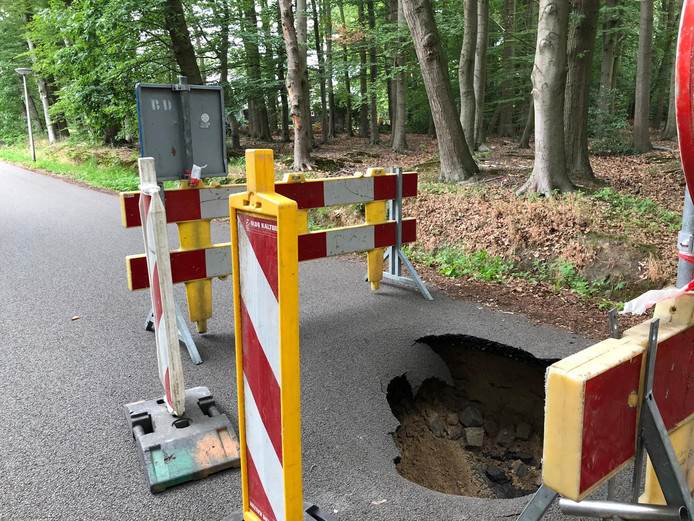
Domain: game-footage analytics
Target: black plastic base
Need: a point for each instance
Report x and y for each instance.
(311, 513)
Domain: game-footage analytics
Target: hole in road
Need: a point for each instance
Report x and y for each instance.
(481, 436)
(182, 423)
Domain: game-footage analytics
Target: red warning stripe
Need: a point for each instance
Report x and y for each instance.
(317, 245)
(262, 235)
(258, 500)
(192, 264)
(183, 204)
(262, 382)
(185, 266)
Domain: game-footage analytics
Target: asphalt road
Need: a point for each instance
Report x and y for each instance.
(65, 450)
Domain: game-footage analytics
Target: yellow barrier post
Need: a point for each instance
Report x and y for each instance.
(193, 235)
(376, 213)
(682, 438)
(265, 266)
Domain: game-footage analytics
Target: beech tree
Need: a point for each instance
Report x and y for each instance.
(480, 73)
(296, 86)
(581, 43)
(181, 45)
(457, 163)
(400, 110)
(549, 80)
(466, 71)
(610, 43)
(642, 102)
(505, 108)
(367, 85)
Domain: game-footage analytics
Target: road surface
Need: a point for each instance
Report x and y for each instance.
(65, 450)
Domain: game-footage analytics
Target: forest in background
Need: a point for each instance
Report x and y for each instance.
(379, 69)
(453, 89)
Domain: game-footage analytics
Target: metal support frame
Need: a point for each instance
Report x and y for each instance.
(652, 435)
(685, 242)
(184, 334)
(184, 88)
(394, 255)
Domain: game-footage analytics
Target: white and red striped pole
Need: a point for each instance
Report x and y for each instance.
(266, 320)
(156, 240)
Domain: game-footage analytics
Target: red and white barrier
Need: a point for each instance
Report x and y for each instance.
(161, 288)
(210, 203)
(352, 239)
(188, 265)
(216, 261)
(257, 247)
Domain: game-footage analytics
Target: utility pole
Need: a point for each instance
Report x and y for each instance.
(24, 72)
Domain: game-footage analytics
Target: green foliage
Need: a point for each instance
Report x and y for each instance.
(110, 47)
(453, 261)
(12, 120)
(637, 210)
(117, 178)
(608, 128)
(558, 274)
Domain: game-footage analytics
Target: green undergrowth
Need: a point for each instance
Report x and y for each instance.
(110, 177)
(559, 274)
(638, 211)
(101, 169)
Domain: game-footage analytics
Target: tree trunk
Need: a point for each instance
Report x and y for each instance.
(257, 106)
(224, 75)
(181, 45)
(321, 73)
(670, 130)
(480, 83)
(373, 74)
(400, 87)
(281, 59)
(506, 90)
(549, 79)
(348, 87)
(296, 88)
(642, 138)
(45, 104)
(391, 17)
(328, 32)
(529, 125)
(266, 17)
(457, 163)
(466, 72)
(305, 97)
(609, 48)
(581, 43)
(363, 89)
(661, 83)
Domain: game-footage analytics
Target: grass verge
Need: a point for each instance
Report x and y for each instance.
(559, 274)
(111, 177)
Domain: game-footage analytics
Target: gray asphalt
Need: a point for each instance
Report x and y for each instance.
(65, 450)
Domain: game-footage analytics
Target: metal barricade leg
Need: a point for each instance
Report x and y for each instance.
(187, 339)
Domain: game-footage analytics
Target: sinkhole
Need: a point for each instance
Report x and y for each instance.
(480, 436)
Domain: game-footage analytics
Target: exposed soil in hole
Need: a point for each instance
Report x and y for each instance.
(480, 437)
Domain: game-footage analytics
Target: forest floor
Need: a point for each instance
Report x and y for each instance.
(563, 261)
